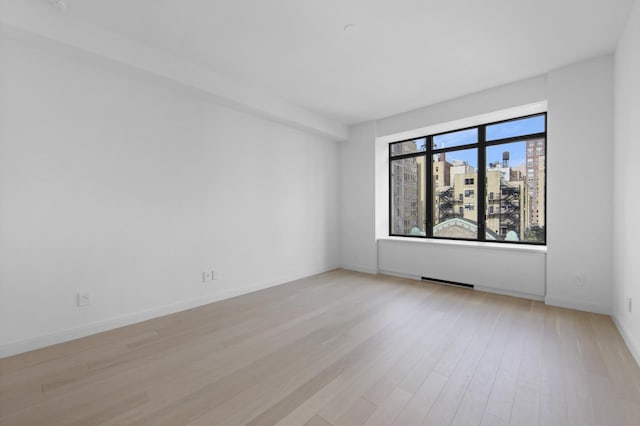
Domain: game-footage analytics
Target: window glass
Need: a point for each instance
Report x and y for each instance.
(513, 128)
(453, 139)
(454, 212)
(408, 147)
(514, 178)
(408, 196)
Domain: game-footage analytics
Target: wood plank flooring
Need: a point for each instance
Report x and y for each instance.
(340, 348)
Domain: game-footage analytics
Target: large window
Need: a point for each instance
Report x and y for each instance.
(484, 183)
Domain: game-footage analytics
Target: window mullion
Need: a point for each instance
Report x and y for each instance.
(481, 186)
(428, 228)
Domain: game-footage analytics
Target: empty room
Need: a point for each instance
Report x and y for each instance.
(285, 212)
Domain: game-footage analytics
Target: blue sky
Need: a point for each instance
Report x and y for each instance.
(526, 126)
(462, 137)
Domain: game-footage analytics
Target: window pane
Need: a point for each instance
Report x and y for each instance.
(455, 213)
(513, 128)
(462, 137)
(515, 191)
(408, 185)
(408, 147)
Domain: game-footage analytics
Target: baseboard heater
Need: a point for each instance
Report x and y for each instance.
(447, 282)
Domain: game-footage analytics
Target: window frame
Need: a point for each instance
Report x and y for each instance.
(481, 192)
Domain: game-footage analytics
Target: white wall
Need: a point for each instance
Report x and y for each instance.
(580, 136)
(495, 99)
(357, 242)
(625, 189)
(37, 19)
(579, 196)
(121, 186)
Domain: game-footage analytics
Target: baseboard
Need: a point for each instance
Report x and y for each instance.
(399, 275)
(61, 336)
(359, 268)
(578, 305)
(629, 339)
(510, 293)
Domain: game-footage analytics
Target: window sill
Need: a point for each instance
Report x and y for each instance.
(475, 244)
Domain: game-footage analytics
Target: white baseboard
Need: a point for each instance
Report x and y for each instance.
(397, 274)
(36, 342)
(632, 343)
(359, 268)
(509, 293)
(578, 305)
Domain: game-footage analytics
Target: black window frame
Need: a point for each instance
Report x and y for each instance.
(480, 190)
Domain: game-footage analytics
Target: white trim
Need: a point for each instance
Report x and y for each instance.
(474, 244)
(509, 293)
(398, 274)
(31, 343)
(629, 339)
(578, 305)
(359, 268)
(37, 22)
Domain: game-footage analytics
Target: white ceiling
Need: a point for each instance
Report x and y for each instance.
(401, 55)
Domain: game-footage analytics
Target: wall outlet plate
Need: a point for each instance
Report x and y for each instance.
(84, 299)
(209, 275)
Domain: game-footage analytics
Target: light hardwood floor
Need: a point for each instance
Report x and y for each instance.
(337, 348)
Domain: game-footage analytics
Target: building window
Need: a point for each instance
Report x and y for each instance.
(433, 178)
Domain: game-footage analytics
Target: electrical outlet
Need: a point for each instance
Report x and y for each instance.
(579, 279)
(209, 275)
(84, 299)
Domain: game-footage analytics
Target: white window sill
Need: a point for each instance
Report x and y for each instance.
(480, 244)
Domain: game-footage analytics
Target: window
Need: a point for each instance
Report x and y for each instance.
(485, 183)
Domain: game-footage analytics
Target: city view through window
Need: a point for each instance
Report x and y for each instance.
(436, 188)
